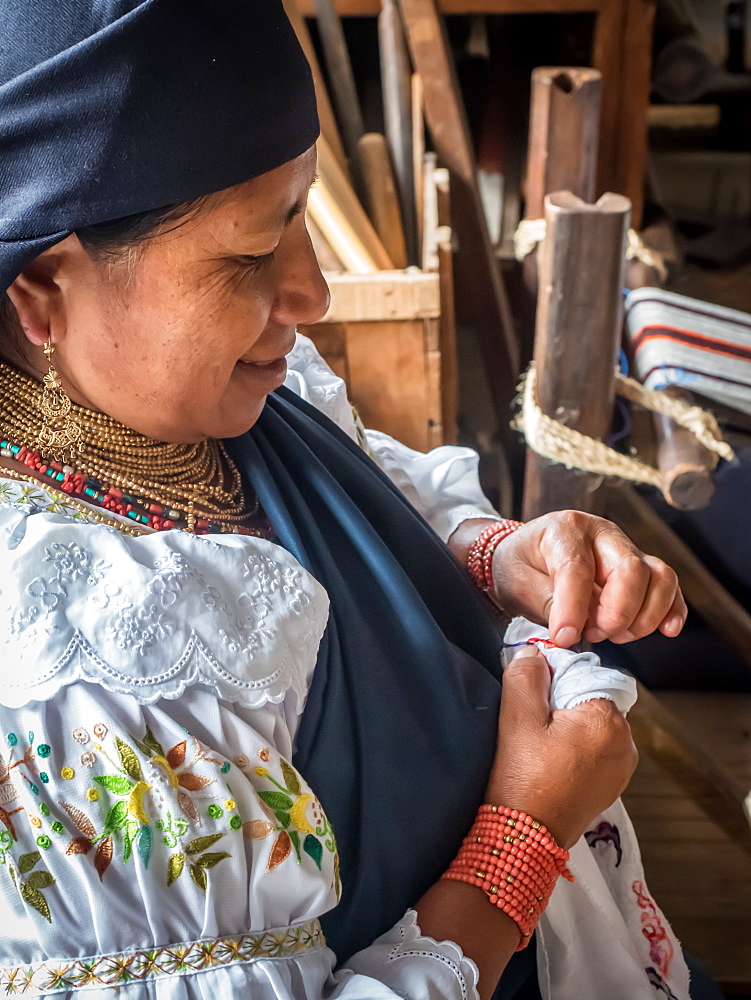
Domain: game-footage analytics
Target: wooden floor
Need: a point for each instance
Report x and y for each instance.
(700, 878)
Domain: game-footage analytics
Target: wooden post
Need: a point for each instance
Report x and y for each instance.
(577, 336)
(687, 467)
(396, 84)
(564, 125)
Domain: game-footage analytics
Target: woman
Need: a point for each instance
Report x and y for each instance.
(156, 836)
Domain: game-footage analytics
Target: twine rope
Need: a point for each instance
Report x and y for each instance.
(566, 446)
(531, 232)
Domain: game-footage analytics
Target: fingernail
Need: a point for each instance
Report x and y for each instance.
(525, 652)
(674, 625)
(594, 635)
(566, 636)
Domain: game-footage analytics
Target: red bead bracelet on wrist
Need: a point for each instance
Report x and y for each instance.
(480, 555)
(515, 861)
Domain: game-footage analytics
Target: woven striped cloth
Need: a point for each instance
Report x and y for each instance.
(676, 340)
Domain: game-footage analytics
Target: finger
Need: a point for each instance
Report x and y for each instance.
(657, 604)
(526, 692)
(623, 594)
(573, 580)
(675, 619)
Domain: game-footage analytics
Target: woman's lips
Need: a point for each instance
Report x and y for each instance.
(272, 373)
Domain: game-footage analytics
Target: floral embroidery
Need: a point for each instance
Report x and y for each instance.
(287, 808)
(606, 833)
(659, 983)
(661, 950)
(156, 963)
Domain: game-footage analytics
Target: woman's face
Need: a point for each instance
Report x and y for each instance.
(188, 341)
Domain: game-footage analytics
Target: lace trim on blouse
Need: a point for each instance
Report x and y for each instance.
(149, 616)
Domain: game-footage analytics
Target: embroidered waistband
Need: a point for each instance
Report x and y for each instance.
(155, 963)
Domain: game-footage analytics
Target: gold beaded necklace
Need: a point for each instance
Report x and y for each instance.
(198, 480)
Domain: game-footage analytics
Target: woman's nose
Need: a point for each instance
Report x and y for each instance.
(303, 296)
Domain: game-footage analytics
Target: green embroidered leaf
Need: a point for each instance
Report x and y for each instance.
(114, 783)
(290, 778)
(145, 845)
(295, 838)
(202, 843)
(175, 867)
(12, 871)
(117, 817)
(313, 848)
(209, 860)
(34, 898)
(27, 861)
(127, 846)
(284, 818)
(277, 800)
(199, 877)
(40, 880)
(149, 745)
(129, 760)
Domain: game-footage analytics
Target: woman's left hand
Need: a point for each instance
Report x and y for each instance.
(580, 574)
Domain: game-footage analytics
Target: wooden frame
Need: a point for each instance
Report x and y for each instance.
(622, 52)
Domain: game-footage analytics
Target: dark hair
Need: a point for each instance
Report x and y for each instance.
(111, 242)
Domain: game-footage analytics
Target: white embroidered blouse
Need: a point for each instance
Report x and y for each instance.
(152, 828)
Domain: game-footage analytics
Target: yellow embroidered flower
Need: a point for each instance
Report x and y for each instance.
(35, 821)
(297, 812)
(67, 773)
(93, 795)
(135, 802)
(230, 804)
(262, 772)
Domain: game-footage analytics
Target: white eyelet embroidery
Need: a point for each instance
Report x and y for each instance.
(150, 615)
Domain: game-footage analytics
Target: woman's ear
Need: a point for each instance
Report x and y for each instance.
(38, 301)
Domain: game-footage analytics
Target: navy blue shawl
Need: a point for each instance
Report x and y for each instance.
(399, 731)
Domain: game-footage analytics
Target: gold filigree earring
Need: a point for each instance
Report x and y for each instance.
(60, 435)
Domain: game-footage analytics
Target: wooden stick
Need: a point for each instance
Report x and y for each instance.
(577, 336)
(482, 296)
(702, 589)
(687, 467)
(329, 127)
(396, 85)
(658, 733)
(338, 232)
(337, 183)
(380, 191)
(327, 259)
(418, 154)
(340, 75)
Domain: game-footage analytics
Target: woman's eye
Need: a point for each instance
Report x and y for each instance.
(255, 263)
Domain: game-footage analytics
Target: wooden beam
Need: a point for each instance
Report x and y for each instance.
(579, 316)
(381, 196)
(341, 77)
(387, 295)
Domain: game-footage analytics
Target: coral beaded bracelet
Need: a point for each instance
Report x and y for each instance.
(480, 555)
(515, 861)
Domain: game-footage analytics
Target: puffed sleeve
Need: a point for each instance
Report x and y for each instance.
(442, 484)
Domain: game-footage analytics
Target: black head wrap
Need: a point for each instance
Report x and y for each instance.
(109, 108)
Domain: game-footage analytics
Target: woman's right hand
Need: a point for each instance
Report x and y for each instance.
(562, 767)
